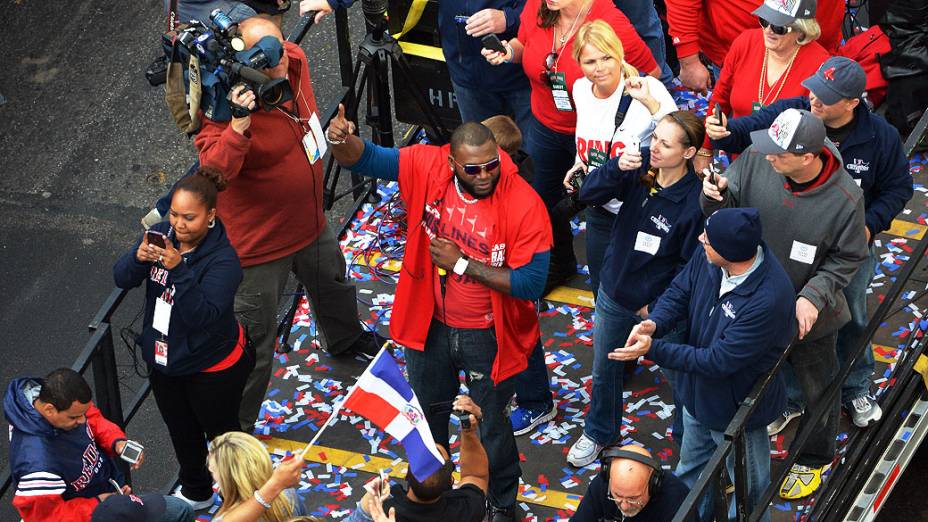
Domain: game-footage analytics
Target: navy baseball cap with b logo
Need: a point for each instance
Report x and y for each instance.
(838, 78)
(794, 130)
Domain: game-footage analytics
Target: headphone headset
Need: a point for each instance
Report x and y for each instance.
(609, 454)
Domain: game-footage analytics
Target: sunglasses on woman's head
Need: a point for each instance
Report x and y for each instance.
(472, 169)
(775, 29)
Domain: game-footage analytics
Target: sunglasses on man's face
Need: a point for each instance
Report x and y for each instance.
(775, 29)
(473, 169)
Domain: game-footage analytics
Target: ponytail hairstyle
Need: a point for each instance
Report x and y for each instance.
(242, 465)
(600, 35)
(694, 133)
(205, 183)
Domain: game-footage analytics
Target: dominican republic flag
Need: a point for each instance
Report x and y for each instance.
(384, 397)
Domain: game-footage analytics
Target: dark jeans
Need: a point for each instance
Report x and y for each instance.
(198, 408)
(858, 379)
(553, 154)
(598, 235)
(815, 365)
(478, 105)
(433, 374)
(532, 389)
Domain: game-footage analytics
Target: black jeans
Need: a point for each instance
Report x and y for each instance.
(815, 363)
(197, 408)
(433, 374)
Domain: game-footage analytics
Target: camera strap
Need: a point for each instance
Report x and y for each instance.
(620, 113)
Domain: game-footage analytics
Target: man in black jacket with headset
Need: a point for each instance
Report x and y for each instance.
(631, 486)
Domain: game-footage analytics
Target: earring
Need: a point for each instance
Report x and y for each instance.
(211, 223)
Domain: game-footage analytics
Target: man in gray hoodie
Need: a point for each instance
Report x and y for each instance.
(814, 223)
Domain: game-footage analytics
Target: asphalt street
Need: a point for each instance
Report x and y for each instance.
(86, 147)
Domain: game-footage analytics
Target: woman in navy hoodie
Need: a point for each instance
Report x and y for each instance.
(653, 236)
(194, 347)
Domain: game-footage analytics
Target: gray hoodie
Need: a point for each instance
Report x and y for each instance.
(817, 235)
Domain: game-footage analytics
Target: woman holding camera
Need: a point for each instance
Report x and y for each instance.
(194, 347)
(615, 108)
(655, 233)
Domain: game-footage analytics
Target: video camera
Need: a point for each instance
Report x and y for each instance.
(221, 63)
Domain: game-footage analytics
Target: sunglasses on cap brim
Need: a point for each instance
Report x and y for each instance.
(775, 29)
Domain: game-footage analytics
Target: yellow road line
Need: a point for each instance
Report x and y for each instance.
(570, 295)
(397, 469)
(883, 358)
(907, 229)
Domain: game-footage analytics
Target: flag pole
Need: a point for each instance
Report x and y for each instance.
(338, 407)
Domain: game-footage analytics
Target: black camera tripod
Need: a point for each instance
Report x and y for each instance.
(377, 55)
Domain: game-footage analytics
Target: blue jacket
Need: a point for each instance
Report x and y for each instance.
(57, 473)
(468, 68)
(633, 277)
(203, 329)
(872, 155)
(731, 341)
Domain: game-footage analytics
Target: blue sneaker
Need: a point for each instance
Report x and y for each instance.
(525, 420)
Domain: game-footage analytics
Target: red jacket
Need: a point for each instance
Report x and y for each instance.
(711, 26)
(523, 230)
(273, 204)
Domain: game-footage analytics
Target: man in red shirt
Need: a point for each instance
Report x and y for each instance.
(477, 251)
(707, 28)
(272, 210)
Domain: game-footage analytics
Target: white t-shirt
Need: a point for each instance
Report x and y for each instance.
(596, 120)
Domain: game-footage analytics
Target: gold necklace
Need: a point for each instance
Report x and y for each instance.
(781, 79)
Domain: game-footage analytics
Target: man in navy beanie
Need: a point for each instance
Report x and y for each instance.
(738, 303)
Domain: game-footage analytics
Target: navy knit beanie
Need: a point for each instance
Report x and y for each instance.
(734, 233)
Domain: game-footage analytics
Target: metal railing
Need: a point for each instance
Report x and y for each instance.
(840, 481)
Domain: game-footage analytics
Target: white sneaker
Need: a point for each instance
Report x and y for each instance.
(865, 411)
(777, 425)
(197, 505)
(583, 452)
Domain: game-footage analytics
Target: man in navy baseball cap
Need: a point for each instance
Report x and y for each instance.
(871, 150)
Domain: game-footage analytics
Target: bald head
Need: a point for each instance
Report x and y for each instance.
(256, 28)
(628, 479)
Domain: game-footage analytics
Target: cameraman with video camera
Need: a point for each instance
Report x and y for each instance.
(270, 153)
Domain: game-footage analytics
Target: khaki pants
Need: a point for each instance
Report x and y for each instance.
(320, 268)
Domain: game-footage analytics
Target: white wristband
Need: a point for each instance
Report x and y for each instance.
(460, 266)
(260, 500)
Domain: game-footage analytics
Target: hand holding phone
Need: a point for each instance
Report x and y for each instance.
(493, 43)
(155, 238)
(132, 452)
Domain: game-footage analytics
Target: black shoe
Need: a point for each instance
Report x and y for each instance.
(367, 345)
(497, 514)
